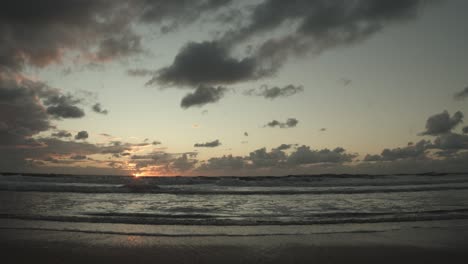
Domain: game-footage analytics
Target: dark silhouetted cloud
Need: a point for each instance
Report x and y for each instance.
(284, 147)
(442, 123)
(260, 158)
(275, 92)
(203, 95)
(98, 109)
(451, 141)
(81, 135)
(463, 94)
(411, 151)
(204, 63)
(211, 144)
(26, 107)
(228, 162)
(62, 134)
(303, 155)
(291, 122)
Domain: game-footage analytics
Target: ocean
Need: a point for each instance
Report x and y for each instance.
(247, 205)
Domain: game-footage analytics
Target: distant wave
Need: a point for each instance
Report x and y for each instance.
(103, 188)
(312, 219)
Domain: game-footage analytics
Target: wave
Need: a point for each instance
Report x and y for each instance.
(213, 220)
(121, 188)
(153, 234)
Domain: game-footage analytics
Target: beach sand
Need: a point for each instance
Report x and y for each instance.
(422, 245)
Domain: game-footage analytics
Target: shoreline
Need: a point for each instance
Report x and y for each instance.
(417, 245)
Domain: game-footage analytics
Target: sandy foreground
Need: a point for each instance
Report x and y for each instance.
(416, 245)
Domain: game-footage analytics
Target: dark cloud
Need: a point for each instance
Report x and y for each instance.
(303, 155)
(275, 92)
(205, 63)
(321, 25)
(81, 135)
(65, 111)
(284, 147)
(203, 95)
(411, 151)
(290, 122)
(442, 123)
(62, 134)
(164, 162)
(463, 94)
(260, 158)
(211, 144)
(98, 109)
(37, 34)
(26, 107)
(451, 141)
(223, 163)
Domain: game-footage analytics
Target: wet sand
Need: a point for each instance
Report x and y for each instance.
(444, 245)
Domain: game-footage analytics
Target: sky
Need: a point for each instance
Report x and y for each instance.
(232, 87)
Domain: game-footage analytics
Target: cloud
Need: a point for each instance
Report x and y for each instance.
(284, 147)
(98, 109)
(203, 95)
(442, 123)
(303, 155)
(411, 151)
(159, 162)
(211, 144)
(290, 122)
(228, 162)
(451, 141)
(81, 135)
(204, 63)
(42, 37)
(26, 107)
(463, 94)
(62, 134)
(260, 158)
(275, 92)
